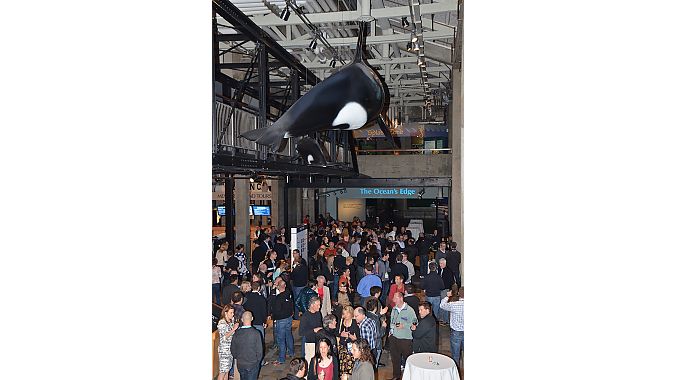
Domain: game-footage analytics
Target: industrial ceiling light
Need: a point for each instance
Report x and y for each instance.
(414, 38)
(409, 46)
(416, 47)
(404, 22)
(333, 63)
(251, 179)
(420, 61)
(313, 44)
(286, 13)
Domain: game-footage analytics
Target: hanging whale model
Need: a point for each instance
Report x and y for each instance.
(310, 151)
(352, 97)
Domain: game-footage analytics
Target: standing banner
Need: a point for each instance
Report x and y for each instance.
(299, 241)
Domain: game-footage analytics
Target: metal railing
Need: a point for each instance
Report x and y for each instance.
(403, 151)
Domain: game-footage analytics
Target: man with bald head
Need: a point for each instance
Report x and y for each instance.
(247, 348)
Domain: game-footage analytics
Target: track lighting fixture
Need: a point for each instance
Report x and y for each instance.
(333, 63)
(420, 61)
(251, 179)
(414, 38)
(409, 46)
(404, 22)
(313, 44)
(416, 46)
(286, 13)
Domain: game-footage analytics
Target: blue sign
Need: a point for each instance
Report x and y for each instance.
(396, 192)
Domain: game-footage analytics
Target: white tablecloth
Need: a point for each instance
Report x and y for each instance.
(419, 367)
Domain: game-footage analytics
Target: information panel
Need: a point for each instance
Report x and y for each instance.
(299, 241)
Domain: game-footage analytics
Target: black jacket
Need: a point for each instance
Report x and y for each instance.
(453, 260)
(247, 347)
(309, 322)
(258, 256)
(425, 335)
(258, 306)
(331, 335)
(282, 251)
(299, 275)
(413, 301)
(398, 268)
(281, 305)
(339, 263)
(446, 276)
(227, 292)
(312, 370)
(423, 246)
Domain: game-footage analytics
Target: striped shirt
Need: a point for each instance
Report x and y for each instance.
(457, 310)
(368, 331)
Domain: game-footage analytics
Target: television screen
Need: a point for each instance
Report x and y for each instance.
(261, 210)
(250, 210)
(221, 210)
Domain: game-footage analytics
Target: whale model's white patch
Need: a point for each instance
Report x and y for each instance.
(310, 158)
(352, 114)
(287, 135)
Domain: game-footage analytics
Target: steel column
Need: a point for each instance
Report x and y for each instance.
(229, 207)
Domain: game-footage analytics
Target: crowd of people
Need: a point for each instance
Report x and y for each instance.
(358, 294)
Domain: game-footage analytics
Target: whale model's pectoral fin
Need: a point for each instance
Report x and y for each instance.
(386, 131)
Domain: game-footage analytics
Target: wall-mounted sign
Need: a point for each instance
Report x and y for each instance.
(379, 192)
(259, 191)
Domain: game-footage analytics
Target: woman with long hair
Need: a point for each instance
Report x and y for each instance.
(349, 333)
(324, 365)
(363, 361)
(226, 328)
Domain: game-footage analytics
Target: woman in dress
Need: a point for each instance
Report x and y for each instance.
(363, 361)
(226, 328)
(324, 365)
(349, 333)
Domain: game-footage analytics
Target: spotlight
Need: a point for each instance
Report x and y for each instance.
(409, 46)
(416, 47)
(286, 13)
(404, 22)
(333, 63)
(313, 44)
(414, 38)
(420, 61)
(322, 59)
(420, 195)
(251, 180)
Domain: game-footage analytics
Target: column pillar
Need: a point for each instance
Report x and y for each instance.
(243, 231)
(456, 142)
(277, 203)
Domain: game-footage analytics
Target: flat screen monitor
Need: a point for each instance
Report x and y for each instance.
(261, 210)
(221, 210)
(250, 210)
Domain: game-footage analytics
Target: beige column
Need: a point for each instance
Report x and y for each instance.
(456, 143)
(277, 204)
(242, 215)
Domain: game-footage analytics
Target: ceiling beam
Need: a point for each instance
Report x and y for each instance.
(347, 16)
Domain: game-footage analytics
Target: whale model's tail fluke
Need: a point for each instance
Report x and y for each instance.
(270, 136)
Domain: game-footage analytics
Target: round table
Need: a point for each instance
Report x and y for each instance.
(430, 366)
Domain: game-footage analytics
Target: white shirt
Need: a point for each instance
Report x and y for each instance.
(411, 270)
(220, 256)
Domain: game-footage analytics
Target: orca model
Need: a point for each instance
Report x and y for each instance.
(347, 100)
(309, 149)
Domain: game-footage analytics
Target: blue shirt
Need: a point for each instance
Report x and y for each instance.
(366, 283)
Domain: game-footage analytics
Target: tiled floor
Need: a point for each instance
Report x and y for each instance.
(277, 372)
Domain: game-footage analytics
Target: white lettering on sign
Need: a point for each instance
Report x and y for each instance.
(259, 191)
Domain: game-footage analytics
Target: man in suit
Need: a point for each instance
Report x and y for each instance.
(445, 275)
(425, 332)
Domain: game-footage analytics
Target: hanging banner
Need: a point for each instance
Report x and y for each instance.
(299, 241)
(260, 191)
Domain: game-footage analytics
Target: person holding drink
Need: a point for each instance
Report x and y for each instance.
(402, 319)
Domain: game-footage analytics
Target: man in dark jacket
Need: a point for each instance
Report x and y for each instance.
(258, 255)
(423, 245)
(310, 324)
(329, 331)
(399, 268)
(411, 299)
(312, 244)
(302, 303)
(299, 277)
(280, 305)
(445, 275)
(425, 333)
(258, 306)
(453, 261)
(281, 249)
(230, 288)
(247, 348)
(297, 369)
